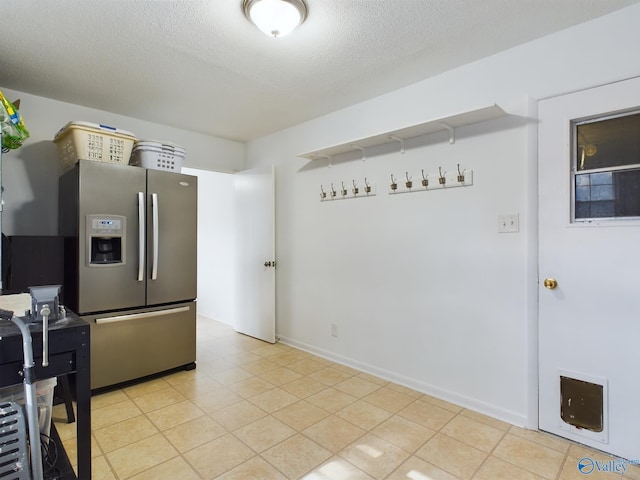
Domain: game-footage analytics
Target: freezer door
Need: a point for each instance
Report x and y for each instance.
(172, 204)
(110, 190)
(131, 344)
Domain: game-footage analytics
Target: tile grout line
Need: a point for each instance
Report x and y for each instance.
(330, 414)
(490, 453)
(350, 373)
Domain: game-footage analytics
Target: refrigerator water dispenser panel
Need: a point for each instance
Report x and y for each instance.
(106, 240)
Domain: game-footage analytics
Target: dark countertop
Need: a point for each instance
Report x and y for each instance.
(69, 353)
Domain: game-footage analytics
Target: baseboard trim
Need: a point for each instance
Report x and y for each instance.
(484, 408)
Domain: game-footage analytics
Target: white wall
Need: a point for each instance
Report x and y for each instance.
(422, 287)
(30, 180)
(216, 244)
(30, 174)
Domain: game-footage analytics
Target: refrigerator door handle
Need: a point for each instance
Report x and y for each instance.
(141, 246)
(138, 316)
(154, 205)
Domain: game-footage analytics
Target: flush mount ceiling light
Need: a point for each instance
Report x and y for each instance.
(276, 18)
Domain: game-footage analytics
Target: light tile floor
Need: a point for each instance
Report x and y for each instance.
(251, 410)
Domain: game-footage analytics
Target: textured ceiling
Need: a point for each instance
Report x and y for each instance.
(201, 66)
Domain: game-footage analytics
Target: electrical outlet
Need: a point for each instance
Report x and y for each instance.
(334, 330)
(508, 223)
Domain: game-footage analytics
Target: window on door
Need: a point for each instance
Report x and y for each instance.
(606, 168)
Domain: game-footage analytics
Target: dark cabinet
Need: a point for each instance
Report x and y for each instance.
(33, 260)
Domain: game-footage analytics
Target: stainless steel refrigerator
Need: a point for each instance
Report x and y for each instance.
(130, 266)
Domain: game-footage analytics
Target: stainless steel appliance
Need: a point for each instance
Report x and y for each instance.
(130, 266)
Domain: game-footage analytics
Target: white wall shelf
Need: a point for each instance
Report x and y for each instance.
(449, 124)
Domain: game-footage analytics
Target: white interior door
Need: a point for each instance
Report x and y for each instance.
(589, 325)
(255, 251)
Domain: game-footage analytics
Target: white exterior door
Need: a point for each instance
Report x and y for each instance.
(255, 251)
(589, 324)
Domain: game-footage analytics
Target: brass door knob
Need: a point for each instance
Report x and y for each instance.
(550, 283)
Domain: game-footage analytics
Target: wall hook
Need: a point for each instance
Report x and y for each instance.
(442, 180)
(425, 179)
(408, 183)
(358, 147)
(367, 187)
(355, 189)
(451, 130)
(460, 175)
(344, 190)
(398, 139)
(333, 191)
(394, 184)
(323, 194)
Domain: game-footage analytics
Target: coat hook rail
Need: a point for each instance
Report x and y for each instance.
(344, 192)
(445, 181)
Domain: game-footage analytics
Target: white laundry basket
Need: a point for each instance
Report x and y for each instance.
(158, 155)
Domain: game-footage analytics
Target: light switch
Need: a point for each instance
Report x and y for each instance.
(508, 223)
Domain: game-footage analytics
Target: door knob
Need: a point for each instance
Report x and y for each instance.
(550, 283)
(267, 264)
